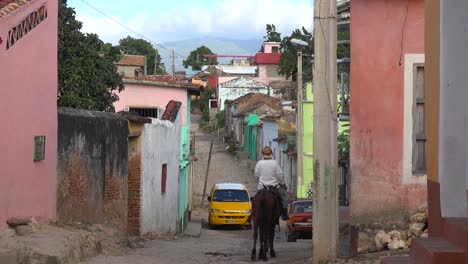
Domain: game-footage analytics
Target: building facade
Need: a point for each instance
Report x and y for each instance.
(388, 160)
(28, 66)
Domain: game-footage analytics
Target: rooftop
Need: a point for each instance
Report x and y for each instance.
(132, 60)
(193, 89)
(268, 58)
(230, 186)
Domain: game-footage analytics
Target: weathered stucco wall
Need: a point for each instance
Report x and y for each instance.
(160, 145)
(269, 133)
(378, 48)
(453, 144)
(92, 170)
(234, 93)
(28, 71)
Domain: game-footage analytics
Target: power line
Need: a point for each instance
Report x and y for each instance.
(131, 30)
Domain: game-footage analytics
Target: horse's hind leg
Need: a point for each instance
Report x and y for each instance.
(253, 255)
(272, 238)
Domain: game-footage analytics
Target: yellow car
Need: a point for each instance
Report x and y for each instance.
(230, 204)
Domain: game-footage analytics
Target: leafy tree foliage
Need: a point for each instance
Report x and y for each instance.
(288, 63)
(140, 46)
(87, 77)
(196, 59)
(271, 35)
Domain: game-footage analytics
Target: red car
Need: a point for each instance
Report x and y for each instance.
(300, 222)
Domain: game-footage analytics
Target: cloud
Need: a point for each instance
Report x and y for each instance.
(240, 19)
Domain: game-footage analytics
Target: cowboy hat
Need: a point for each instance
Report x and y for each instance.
(267, 153)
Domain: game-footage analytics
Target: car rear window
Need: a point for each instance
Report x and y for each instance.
(305, 207)
(230, 196)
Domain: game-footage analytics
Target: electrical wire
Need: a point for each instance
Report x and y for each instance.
(131, 30)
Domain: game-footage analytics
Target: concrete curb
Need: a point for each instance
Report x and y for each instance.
(194, 227)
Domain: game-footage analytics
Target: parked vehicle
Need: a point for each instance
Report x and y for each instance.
(230, 204)
(300, 222)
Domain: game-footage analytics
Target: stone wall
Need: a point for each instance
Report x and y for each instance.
(92, 170)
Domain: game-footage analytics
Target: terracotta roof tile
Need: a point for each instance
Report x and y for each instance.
(134, 60)
(8, 7)
(172, 109)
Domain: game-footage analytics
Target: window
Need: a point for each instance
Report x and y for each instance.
(163, 178)
(39, 148)
(230, 196)
(146, 112)
(419, 116)
(275, 49)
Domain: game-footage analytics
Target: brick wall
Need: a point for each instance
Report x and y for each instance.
(92, 169)
(134, 195)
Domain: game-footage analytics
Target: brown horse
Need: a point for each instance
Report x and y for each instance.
(265, 215)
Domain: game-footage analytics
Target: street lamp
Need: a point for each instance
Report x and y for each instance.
(300, 154)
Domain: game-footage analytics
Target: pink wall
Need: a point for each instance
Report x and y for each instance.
(377, 82)
(262, 75)
(29, 107)
(268, 46)
(145, 95)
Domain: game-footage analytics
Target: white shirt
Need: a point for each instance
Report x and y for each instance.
(269, 173)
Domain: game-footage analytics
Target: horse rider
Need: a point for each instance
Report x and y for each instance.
(270, 175)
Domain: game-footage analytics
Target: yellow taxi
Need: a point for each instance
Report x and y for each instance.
(230, 204)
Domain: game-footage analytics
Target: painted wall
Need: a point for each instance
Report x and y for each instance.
(269, 133)
(160, 145)
(92, 169)
(29, 103)
(184, 172)
(268, 73)
(146, 95)
(303, 185)
(269, 45)
(453, 144)
(378, 190)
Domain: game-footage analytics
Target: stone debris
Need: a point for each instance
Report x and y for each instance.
(14, 222)
(377, 237)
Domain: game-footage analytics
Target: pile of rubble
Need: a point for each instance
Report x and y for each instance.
(34, 240)
(374, 240)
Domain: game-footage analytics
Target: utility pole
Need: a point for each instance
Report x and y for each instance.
(173, 65)
(325, 222)
(300, 152)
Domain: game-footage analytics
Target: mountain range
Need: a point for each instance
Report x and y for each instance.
(217, 45)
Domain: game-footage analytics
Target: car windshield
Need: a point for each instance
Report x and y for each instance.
(302, 207)
(230, 196)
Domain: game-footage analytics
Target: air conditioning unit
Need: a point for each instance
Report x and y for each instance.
(126, 108)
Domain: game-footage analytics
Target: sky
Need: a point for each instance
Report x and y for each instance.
(174, 20)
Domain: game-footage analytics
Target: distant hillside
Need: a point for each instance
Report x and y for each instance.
(218, 46)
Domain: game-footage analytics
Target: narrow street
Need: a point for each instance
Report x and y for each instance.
(227, 245)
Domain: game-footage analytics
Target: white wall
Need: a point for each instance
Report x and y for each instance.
(234, 93)
(160, 145)
(453, 141)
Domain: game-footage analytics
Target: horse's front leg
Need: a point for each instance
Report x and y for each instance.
(253, 255)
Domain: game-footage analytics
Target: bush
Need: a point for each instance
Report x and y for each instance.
(221, 116)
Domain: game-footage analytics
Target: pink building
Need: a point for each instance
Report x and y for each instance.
(149, 98)
(28, 67)
(268, 63)
(388, 139)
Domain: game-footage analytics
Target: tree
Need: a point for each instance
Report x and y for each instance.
(288, 62)
(196, 59)
(140, 46)
(271, 35)
(87, 77)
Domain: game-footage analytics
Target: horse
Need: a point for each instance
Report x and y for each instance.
(265, 215)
